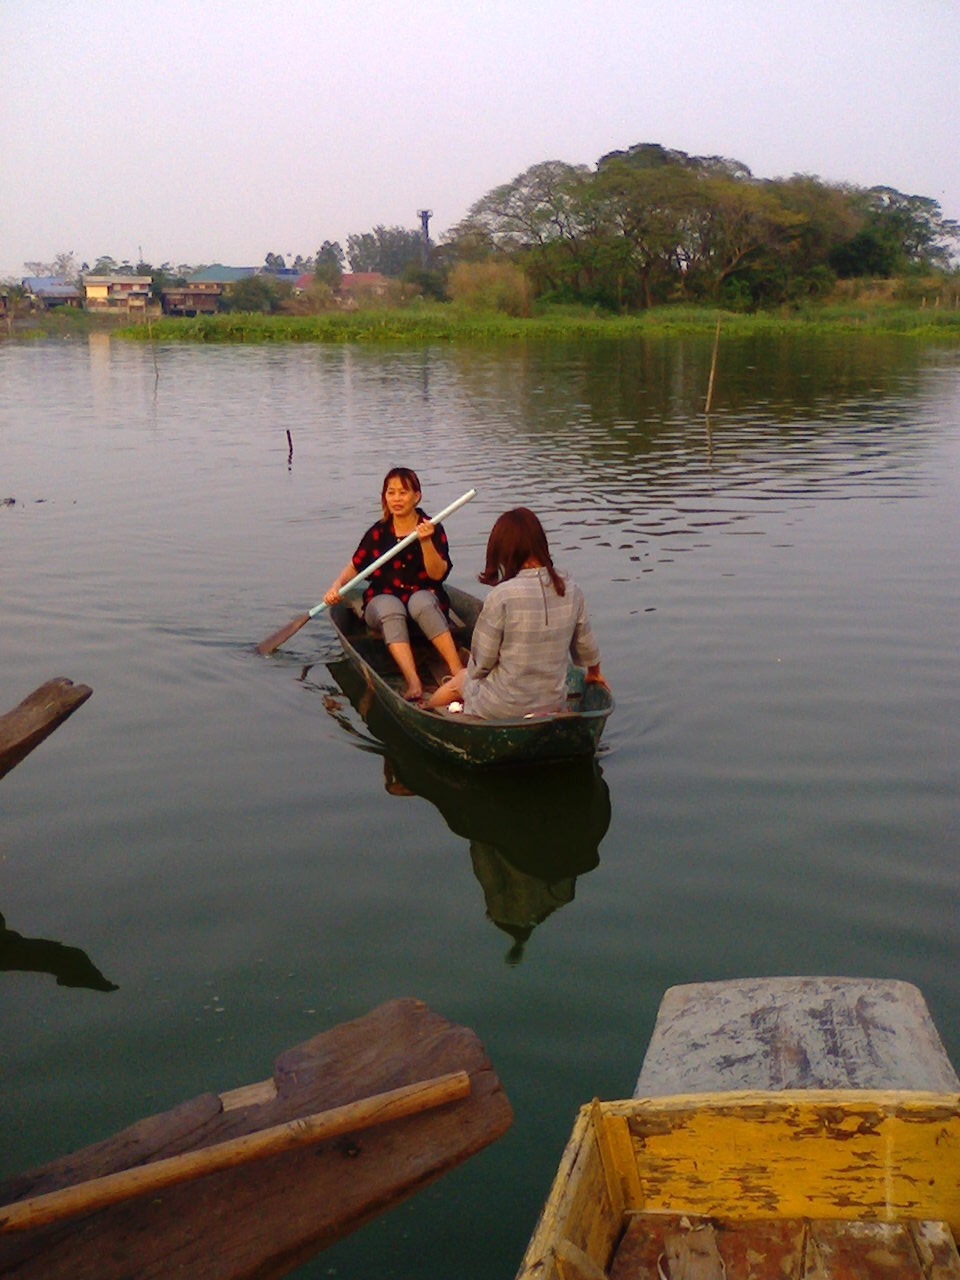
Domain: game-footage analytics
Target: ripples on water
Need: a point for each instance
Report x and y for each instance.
(236, 850)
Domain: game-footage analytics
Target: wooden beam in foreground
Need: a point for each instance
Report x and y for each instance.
(26, 726)
(259, 1220)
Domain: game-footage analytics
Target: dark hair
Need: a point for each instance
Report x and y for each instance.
(409, 479)
(516, 537)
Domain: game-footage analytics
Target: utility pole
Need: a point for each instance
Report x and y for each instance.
(424, 215)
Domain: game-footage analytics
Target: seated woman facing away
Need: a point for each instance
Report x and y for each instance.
(532, 623)
(410, 586)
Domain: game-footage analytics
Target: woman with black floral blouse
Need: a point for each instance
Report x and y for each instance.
(411, 586)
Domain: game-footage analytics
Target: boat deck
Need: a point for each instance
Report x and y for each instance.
(778, 1034)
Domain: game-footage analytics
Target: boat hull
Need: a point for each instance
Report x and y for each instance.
(470, 740)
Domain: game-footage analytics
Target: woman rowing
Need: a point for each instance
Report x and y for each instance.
(411, 586)
(531, 624)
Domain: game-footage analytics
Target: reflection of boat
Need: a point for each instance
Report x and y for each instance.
(531, 832)
(69, 965)
(805, 1127)
(468, 739)
(286, 1169)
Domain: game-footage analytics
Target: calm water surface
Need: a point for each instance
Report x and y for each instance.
(776, 597)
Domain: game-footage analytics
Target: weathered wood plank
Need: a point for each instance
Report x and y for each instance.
(36, 717)
(655, 1246)
(263, 1220)
(156, 1176)
(580, 1211)
(802, 1153)
(794, 1033)
(863, 1251)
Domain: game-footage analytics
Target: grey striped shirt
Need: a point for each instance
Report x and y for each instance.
(524, 638)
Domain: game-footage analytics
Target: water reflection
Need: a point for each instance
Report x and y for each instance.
(531, 832)
(69, 965)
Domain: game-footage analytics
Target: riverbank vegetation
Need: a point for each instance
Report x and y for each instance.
(439, 323)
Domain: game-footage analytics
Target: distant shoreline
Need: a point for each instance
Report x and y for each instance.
(444, 324)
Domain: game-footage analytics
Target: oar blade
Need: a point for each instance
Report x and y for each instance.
(280, 637)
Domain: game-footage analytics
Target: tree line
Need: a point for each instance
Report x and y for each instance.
(649, 225)
(644, 226)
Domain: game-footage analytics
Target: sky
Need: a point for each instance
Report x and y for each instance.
(199, 131)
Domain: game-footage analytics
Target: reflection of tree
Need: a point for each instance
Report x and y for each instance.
(69, 965)
(531, 831)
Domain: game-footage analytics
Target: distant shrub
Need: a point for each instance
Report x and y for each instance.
(311, 301)
(490, 286)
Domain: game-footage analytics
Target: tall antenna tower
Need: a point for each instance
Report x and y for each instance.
(424, 215)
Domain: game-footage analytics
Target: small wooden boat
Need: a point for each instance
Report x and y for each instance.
(469, 739)
(254, 1181)
(856, 1182)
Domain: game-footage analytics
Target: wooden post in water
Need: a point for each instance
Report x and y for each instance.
(713, 368)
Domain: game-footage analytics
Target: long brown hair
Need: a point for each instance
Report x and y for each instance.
(409, 479)
(516, 537)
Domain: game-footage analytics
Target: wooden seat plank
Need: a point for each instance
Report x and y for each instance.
(794, 1033)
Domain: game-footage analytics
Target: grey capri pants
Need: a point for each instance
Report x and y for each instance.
(389, 615)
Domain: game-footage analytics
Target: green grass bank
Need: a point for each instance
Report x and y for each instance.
(445, 324)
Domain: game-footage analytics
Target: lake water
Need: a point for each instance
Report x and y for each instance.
(776, 596)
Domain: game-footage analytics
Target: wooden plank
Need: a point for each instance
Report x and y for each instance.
(577, 1212)
(862, 1251)
(794, 1033)
(655, 1246)
(822, 1154)
(157, 1175)
(936, 1250)
(263, 1220)
(36, 717)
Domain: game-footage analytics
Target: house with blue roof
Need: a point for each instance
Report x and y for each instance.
(51, 291)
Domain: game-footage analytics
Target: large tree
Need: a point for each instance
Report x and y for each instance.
(389, 250)
(64, 267)
(328, 263)
(897, 232)
(541, 218)
(735, 224)
(645, 214)
(256, 293)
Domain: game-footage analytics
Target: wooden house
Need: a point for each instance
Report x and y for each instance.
(225, 278)
(196, 298)
(117, 293)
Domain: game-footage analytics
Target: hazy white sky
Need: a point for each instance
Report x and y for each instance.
(221, 130)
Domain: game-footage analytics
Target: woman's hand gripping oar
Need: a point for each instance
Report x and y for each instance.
(283, 635)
